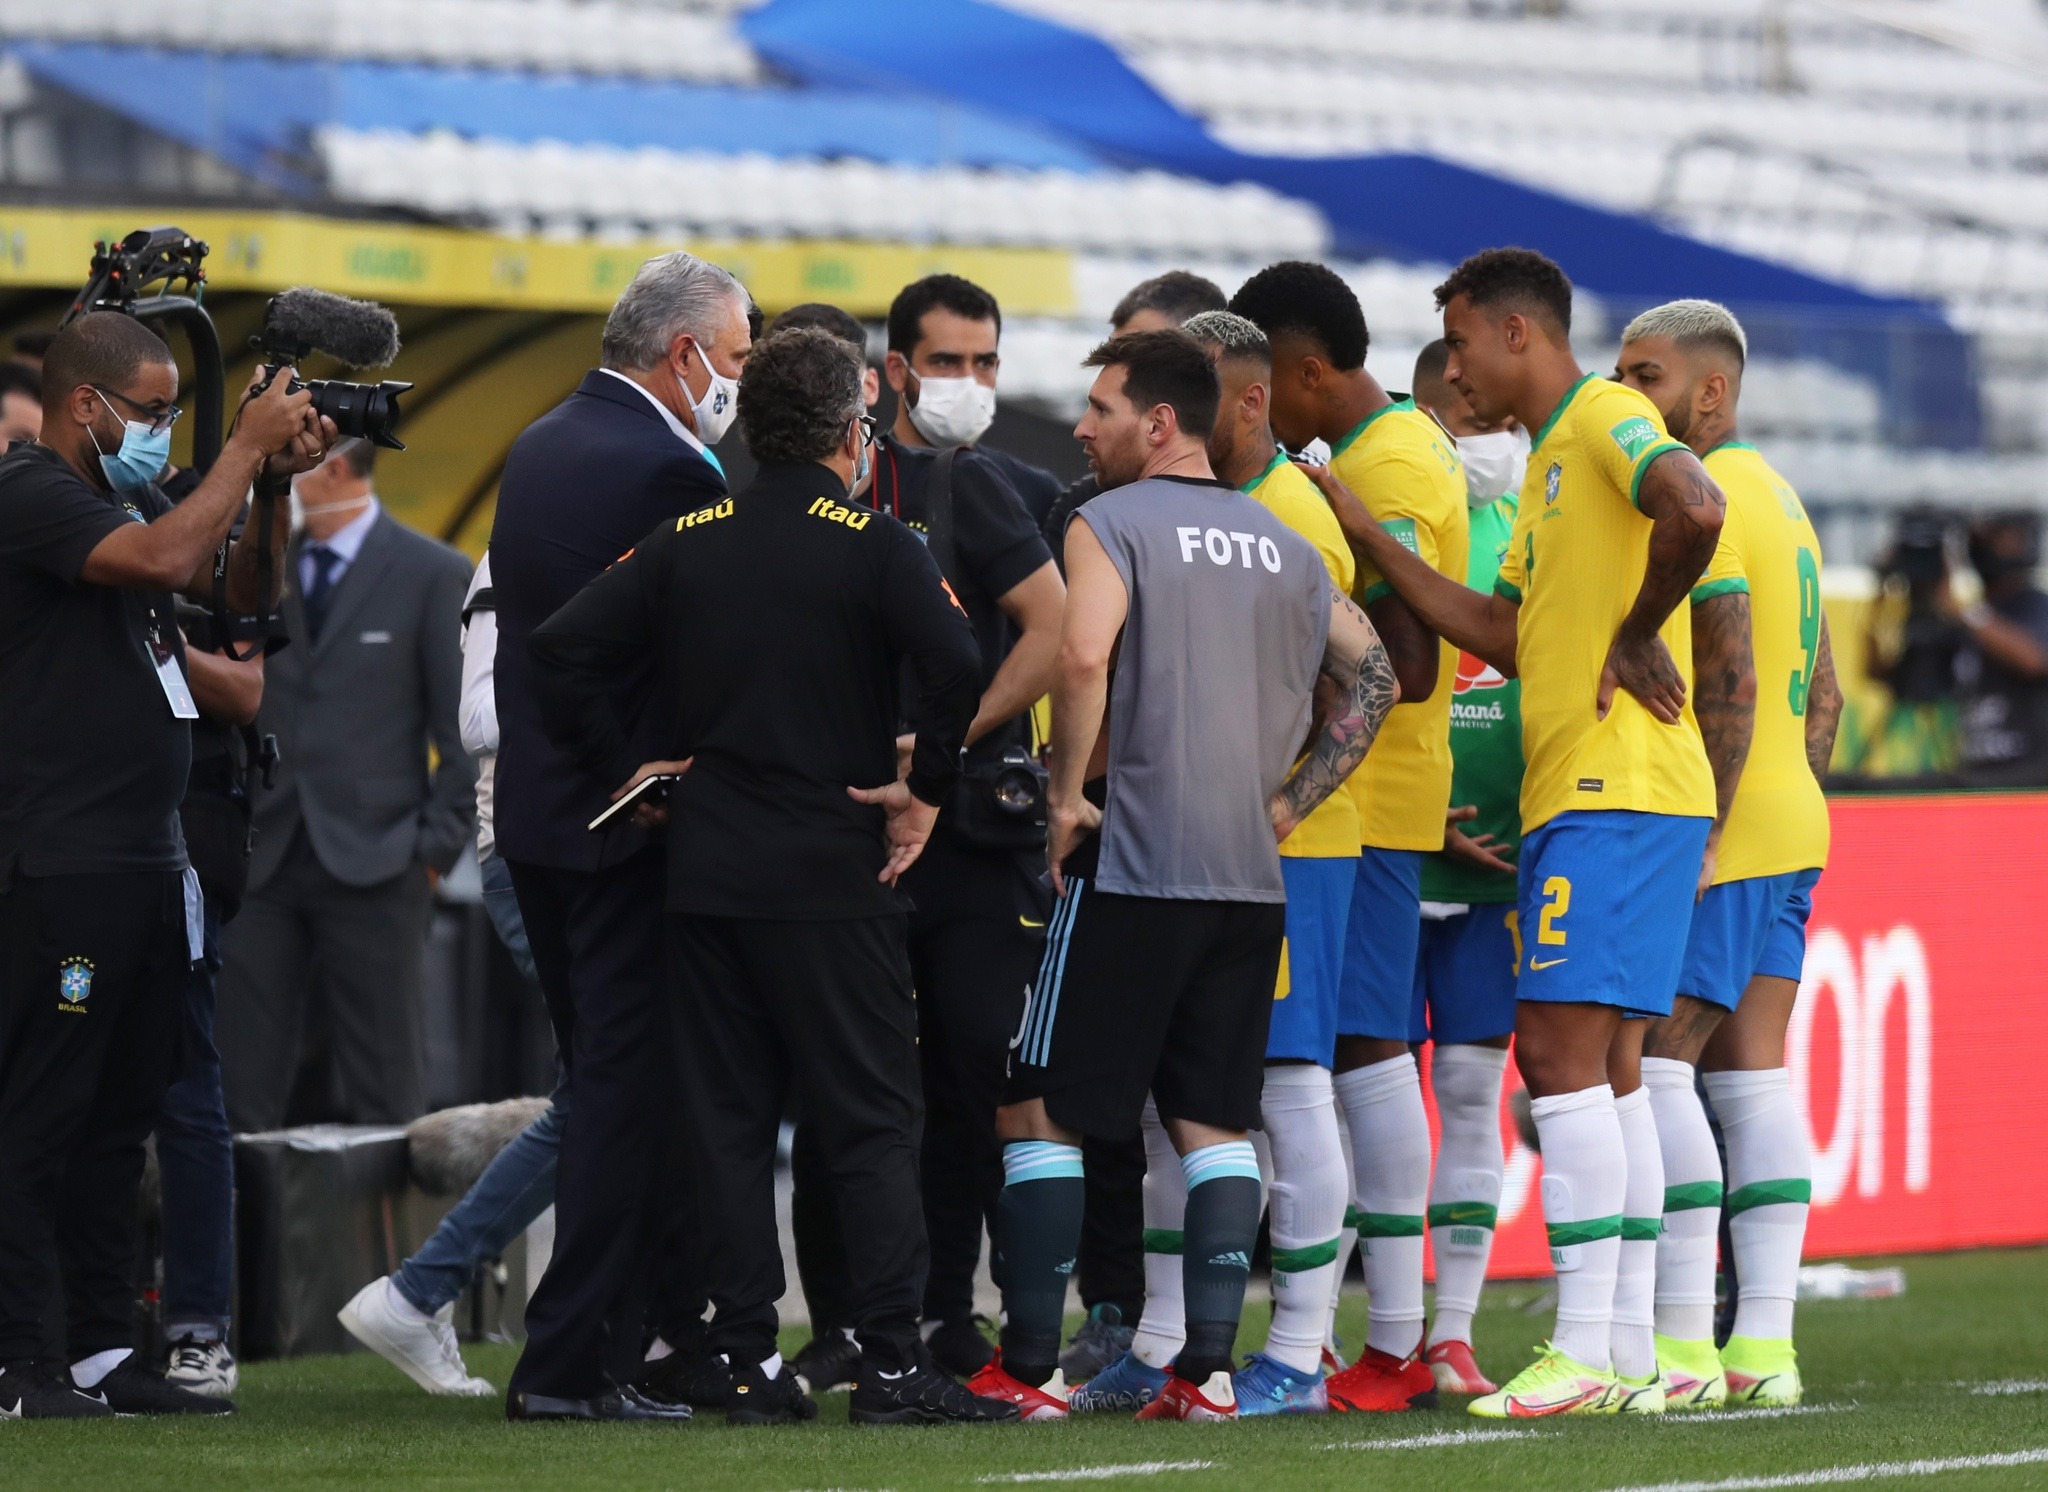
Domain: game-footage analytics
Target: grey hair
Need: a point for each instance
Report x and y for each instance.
(1237, 335)
(671, 294)
(1692, 324)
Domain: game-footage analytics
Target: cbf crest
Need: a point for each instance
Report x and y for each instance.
(74, 983)
(1551, 479)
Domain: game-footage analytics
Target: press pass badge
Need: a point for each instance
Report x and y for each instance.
(172, 677)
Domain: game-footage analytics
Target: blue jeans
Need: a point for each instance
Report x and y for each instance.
(503, 908)
(517, 1186)
(195, 1153)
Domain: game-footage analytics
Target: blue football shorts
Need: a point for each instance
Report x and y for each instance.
(1606, 903)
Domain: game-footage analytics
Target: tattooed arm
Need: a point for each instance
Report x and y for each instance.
(1686, 508)
(1724, 700)
(1483, 625)
(1823, 707)
(1356, 660)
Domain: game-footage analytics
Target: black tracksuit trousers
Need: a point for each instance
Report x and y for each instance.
(93, 971)
(823, 1012)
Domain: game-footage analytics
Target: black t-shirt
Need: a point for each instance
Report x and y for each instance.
(2005, 715)
(778, 620)
(95, 762)
(996, 544)
(1072, 498)
(1035, 487)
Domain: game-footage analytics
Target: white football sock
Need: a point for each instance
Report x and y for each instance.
(1310, 1191)
(88, 1371)
(1390, 1145)
(1347, 1236)
(1770, 1181)
(1164, 1326)
(1642, 1211)
(1692, 1202)
(1464, 1191)
(1585, 1182)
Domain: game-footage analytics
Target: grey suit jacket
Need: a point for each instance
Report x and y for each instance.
(355, 710)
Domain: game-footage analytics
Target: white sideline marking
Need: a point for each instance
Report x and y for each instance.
(1099, 1473)
(1758, 1411)
(1431, 1441)
(2013, 1386)
(1870, 1471)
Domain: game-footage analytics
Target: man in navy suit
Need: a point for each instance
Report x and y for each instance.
(628, 451)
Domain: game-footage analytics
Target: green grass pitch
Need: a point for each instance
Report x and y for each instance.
(1955, 1372)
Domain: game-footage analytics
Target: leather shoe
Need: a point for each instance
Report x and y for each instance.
(626, 1403)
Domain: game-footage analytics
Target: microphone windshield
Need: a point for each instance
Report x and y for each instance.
(360, 333)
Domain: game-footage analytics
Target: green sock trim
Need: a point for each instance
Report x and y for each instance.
(1692, 1194)
(1641, 1229)
(1299, 1261)
(1462, 1215)
(1588, 1230)
(1769, 1194)
(1390, 1225)
(1353, 1218)
(1162, 1240)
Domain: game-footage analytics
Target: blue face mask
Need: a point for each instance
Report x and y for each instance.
(143, 454)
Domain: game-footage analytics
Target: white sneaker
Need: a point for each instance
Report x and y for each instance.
(203, 1367)
(420, 1347)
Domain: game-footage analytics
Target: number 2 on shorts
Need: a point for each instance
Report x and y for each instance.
(1559, 890)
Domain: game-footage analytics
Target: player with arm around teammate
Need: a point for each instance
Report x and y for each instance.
(1616, 524)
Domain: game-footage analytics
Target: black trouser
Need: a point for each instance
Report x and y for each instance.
(93, 971)
(1111, 1267)
(825, 1007)
(620, 1236)
(971, 974)
(360, 952)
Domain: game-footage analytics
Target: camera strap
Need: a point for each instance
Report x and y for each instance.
(938, 502)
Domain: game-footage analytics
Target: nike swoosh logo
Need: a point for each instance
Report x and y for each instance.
(1535, 964)
(1027, 922)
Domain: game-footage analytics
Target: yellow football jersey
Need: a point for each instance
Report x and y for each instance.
(1575, 563)
(1779, 820)
(1332, 830)
(1406, 471)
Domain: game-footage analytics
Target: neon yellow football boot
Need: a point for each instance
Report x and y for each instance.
(1553, 1384)
(1644, 1395)
(1761, 1370)
(1693, 1378)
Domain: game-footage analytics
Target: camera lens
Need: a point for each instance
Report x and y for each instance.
(1016, 791)
(368, 411)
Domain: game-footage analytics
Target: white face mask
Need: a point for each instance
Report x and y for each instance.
(953, 411)
(1493, 464)
(715, 411)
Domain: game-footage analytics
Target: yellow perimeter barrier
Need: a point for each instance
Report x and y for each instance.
(50, 247)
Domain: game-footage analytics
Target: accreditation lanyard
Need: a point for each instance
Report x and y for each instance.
(168, 673)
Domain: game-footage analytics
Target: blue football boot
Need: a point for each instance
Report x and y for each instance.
(1127, 1385)
(1265, 1386)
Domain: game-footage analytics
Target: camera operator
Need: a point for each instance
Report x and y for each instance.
(96, 940)
(2004, 668)
(979, 927)
(194, 1145)
(1912, 641)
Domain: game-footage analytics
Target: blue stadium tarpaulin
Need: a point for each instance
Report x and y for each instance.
(1410, 207)
(257, 112)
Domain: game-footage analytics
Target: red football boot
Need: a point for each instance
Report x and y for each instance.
(1049, 1402)
(1381, 1383)
(1180, 1399)
(1456, 1370)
